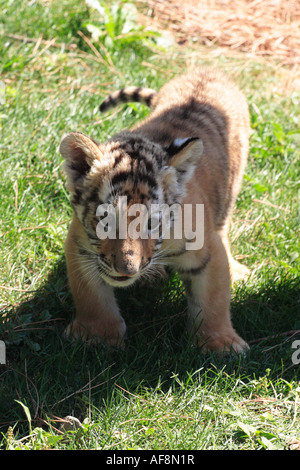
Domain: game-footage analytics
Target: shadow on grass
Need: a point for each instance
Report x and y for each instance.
(56, 378)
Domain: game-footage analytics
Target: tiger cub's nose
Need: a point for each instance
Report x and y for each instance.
(128, 264)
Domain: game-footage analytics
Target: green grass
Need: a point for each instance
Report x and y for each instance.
(161, 393)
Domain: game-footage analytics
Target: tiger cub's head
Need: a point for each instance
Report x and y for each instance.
(117, 191)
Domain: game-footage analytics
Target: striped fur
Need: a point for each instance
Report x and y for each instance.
(191, 149)
(141, 95)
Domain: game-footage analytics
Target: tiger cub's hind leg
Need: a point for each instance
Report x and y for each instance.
(238, 271)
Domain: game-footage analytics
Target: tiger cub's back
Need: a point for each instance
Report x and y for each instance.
(205, 103)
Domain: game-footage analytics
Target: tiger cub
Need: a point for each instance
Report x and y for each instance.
(189, 152)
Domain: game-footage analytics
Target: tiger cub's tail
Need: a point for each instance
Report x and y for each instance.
(132, 93)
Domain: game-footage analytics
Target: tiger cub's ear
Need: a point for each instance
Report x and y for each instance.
(79, 152)
(185, 152)
(183, 157)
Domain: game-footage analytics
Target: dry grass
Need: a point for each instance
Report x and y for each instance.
(260, 27)
(266, 31)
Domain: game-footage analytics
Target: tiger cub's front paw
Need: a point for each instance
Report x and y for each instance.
(222, 342)
(111, 333)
